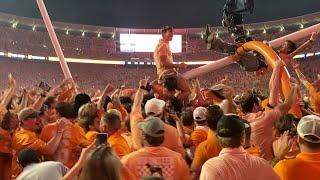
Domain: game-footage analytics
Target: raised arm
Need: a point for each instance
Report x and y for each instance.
(180, 129)
(12, 86)
(301, 76)
(51, 146)
(74, 172)
(285, 106)
(105, 93)
(274, 84)
(136, 114)
(305, 45)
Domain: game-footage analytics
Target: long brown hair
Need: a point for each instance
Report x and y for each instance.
(102, 164)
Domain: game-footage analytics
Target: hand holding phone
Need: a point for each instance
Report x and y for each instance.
(101, 138)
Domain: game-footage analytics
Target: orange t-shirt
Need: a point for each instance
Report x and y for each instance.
(157, 161)
(187, 130)
(91, 135)
(72, 139)
(206, 150)
(22, 139)
(253, 151)
(198, 136)
(162, 49)
(304, 166)
(119, 144)
(172, 139)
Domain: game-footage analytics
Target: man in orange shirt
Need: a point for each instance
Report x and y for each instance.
(200, 132)
(25, 137)
(153, 159)
(153, 107)
(210, 147)
(164, 62)
(111, 124)
(72, 139)
(306, 165)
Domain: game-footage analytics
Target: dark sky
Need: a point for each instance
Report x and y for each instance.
(154, 13)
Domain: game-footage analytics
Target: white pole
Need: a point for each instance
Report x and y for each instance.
(229, 60)
(54, 39)
(295, 36)
(208, 67)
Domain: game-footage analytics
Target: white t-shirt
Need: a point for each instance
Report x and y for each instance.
(49, 170)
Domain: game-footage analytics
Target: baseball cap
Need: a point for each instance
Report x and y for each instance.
(154, 107)
(27, 113)
(230, 125)
(152, 126)
(217, 90)
(199, 114)
(309, 128)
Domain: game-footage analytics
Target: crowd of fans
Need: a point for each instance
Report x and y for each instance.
(95, 76)
(144, 122)
(22, 41)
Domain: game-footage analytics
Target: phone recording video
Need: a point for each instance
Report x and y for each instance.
(101, 138)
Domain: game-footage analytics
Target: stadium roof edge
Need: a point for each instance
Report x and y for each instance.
(10, 18)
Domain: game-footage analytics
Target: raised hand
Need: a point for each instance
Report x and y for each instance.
(144, 82)
(285, 145)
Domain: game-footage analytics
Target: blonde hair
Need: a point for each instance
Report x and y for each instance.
(87, 110)
(102, 164)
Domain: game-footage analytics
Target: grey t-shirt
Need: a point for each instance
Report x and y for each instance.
(49, 170)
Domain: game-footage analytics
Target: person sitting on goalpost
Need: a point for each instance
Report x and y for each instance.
(166, 68)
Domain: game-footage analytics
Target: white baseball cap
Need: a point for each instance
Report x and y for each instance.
(309, 126)
(200, 113)
(154, 107)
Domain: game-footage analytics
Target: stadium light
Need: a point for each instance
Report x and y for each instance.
(248, 32)
(217, 35)
(14, 25)
(301, 26)
(98, 35)
(282, 29)
(82, 33)
(113, 35)
(264, 31)
(201, 35)
(232, 34)
(67, 32)
(33, 28)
